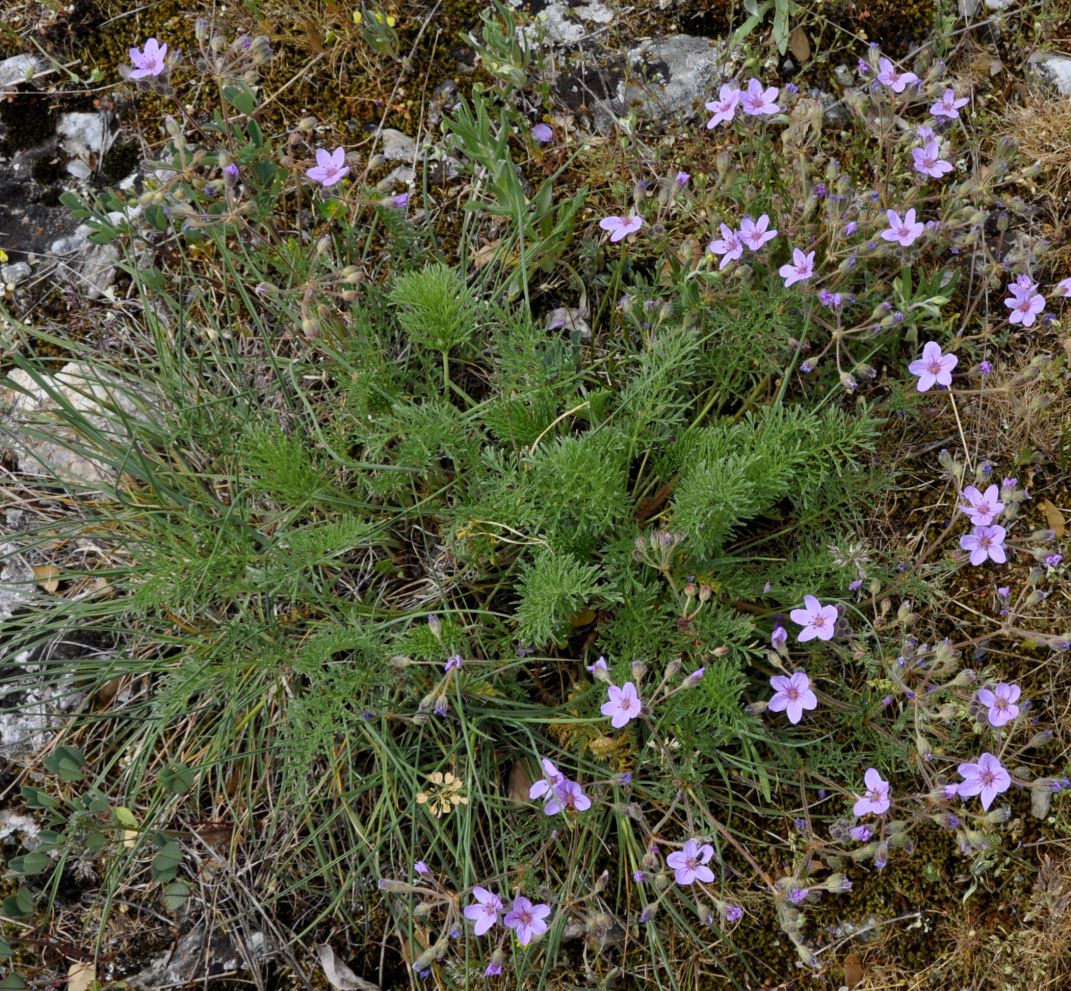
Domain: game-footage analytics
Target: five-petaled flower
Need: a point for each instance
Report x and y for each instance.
(729, 246)
(526, 919)
(149, 62)
(933, 367)
(723, 108)
(888, 75)
(484, 911)
(981, 507)
(903, 230)
(544, 787)
(689, 865)
(801, 267)
(330, 166)
(1000, 702)
(928, 160)
(985, 542)
(1025, 302)
(948, 106)
(756, 101)
(621, 227)
(876, 799)
(566, 795)
(1063, 287)
(624, 704)
(987, 778)
(792, 695)
(754, 233)
(817, 620)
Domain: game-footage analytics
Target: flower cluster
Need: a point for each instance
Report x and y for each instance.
(559, 794)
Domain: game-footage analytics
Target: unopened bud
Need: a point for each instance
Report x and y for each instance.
(704, 593)
(673, 667)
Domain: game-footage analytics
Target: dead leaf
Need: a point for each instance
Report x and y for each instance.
(47, 576)
(1053, 517)
(854, 971)
(519, 783)
(486, 253)
(81, 976)
(799, 44)
(338, 975)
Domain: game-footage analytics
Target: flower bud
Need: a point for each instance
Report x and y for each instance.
(639, 669)
(673, 668)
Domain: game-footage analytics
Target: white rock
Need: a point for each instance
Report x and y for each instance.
(86, 137)
(597, 12)
(397, 147)
(998, 4)
(16, 581)
(31, 717)
(90, 267)
(555, 24)
(16, 272)
(693, 65)
(1054, 69)
(20, 69)
(41, 437)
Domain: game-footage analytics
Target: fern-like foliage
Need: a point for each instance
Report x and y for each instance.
(553, 588)
(436, 308)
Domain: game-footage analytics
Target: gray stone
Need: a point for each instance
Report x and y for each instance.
(31, 717)
(1053, 69)
(42, 440)
(680, 70)
(968, 8)
(86, 138)
(90, 267)
(397, 147)
(16, 581)
(20, 69)
(13, 274)
(996, 5)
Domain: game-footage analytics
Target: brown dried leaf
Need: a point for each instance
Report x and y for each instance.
(854, 971)
(799, 44)
(81, 976)
(1053, 517)
(47, 576)
(519, 783)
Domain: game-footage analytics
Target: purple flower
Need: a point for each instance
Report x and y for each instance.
(933, 367)
(756, 101)
(895, 80)
(732, 913)
(552, 777)
(681, 179)
(542, 134)
(928, 160)
(925, 133)
(599, 670)
(231, 170)
(639, 877)
(903, 230)
(1063, 287)
(779, 638)
(526, 919)
(1000, 702)
(985, 367)
(985, 542)
(567, 795)
(860, 833)
(723, 108)
(792, 695)
(830, 299)
(987, 778)
(621, 227)
(817, 620)
(798, 895)
(689, 864)
(494, 968)
(453, 662)
(149, 62)
(400, 201)
(850, 228)
(801, 267)
(1024, 302)
(330, 166)
(421, 868)
(729, 246)
(624, 704)
(981, 507)
(754, 233)
(948, 106)
(484, 911)
(876, 799)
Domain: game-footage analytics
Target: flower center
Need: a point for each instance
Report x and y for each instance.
(626, 705)
(693, 863)
(792, 693)
(874, 795)
(1001, 704)
(985, 541)
(818, 620)
(525, 918)
(988, 779)
(935, 367)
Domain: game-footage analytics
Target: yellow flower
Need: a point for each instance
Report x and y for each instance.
(3, 256)
(358, 18)
(444, 794)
